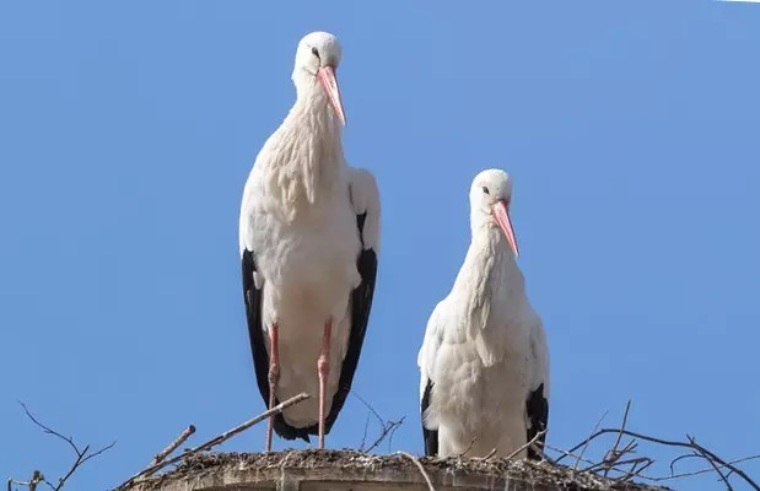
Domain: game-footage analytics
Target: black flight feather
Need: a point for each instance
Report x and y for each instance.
(537, 408)
(430, 436)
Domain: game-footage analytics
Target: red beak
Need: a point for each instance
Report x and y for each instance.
(326, 75)
(501, 213)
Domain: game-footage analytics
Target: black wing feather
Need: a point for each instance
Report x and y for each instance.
(537, 408)
(253, 298)
(430, 436)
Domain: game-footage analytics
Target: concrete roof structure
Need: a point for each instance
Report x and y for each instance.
(311, 470)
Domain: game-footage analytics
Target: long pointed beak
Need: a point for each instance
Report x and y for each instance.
(501, 213)
(326, 75)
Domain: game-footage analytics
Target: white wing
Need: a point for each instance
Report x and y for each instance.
(365, 198)
(426, 358)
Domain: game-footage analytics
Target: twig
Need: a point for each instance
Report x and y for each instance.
(82, 455)
(622, 426)
(421, 468)
(387, 428)
(48, 430)
(469, 447)
(218, 439)
(606, 465)
(613, 452)
(566, 453)
(637, 472)
(364, 436)
(81, 459)
(596, 427)
(32, 484)
(285, 459)
(370, 408)
(690, 445)
(680, 458)
(701, 471)
(523, 447)
(703, 453)
(390, 437)
(486, 456)
(173, 445)
(744, 459)
(540, 451)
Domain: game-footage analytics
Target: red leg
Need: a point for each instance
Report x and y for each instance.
(274, 376)
(323, 369)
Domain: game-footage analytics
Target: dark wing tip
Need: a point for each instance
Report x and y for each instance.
(288, 432)
(537, 407)
(252, 297)
(430, 436)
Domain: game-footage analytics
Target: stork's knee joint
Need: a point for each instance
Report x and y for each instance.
(274, 374)
(322, 365)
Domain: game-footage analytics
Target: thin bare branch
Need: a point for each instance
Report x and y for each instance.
(218, 439)
(486, 456)
(50, 431)
(82, 455)
(636, 471)
(182, 438)
(387, 431)
(701, 471)
(533, 440)
(711, 460)
(565, 453)
(421, 468)
(99, 452)
(387, 428)
(613, 453)
(542, 453)
(691, 444)
(31, 484)
(469, 447)
(680, 458)
(370, 408)
(364, 435)
(596, 427)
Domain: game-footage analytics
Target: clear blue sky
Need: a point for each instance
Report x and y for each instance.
(129, 128)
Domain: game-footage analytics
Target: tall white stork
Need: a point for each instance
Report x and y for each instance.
(484, 362)
(309, 239)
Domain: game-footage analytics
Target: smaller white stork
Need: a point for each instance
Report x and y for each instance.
(484, 362)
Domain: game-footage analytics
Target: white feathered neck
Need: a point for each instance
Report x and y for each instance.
(306, 152)
(489, 286)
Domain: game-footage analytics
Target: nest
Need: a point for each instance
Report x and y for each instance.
(538, 475)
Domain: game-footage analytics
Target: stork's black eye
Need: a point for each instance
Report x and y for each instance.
(315, 52)
(485, 190)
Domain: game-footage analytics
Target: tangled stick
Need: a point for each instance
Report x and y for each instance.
(172, 446)
(420, 467)
(216, 440)
(617, 457)
(83, 455)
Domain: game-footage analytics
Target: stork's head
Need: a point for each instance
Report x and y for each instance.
(317, 60)
(490, 198)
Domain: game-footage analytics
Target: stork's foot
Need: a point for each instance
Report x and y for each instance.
(323, 369)
(273, 376)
